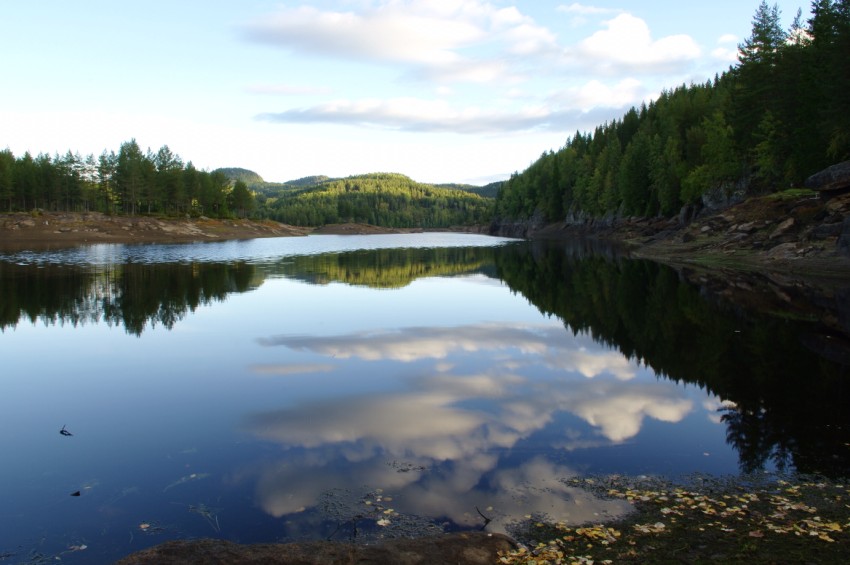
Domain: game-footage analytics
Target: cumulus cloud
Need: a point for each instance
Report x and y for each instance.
(435, 37)
(387, 33)
(627, 44)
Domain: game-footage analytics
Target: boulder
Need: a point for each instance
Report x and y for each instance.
(467, 548)
(844, 238)
(836, 177)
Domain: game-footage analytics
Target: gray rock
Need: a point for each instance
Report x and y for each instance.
(824, 231)
(835, 177)
(782, 228)
(844, 238)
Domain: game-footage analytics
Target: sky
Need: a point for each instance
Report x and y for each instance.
(465, 91)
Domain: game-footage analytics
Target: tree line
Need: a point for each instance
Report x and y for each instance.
(130, 182)
(779, 115)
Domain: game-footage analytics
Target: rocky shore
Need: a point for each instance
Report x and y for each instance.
(797, 231)
(45, 230)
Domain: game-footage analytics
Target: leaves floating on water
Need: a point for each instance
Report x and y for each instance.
(750, 519)
(150, 528)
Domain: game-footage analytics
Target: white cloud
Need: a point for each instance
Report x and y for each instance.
(388, 33)
(626, 43)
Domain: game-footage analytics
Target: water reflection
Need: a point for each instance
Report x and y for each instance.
(784, 398)
(442, 446)
(130, 295)
(139, 295)
(629, 368)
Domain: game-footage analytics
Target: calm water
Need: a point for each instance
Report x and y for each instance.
(356, 387)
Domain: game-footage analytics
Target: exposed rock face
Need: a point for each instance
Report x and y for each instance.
(469, 548)
(836, 177)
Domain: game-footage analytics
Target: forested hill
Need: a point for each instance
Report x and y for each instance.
(383, 199)
(779, 115)
(236, 174)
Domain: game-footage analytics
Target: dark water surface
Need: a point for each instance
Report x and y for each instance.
(360, 387)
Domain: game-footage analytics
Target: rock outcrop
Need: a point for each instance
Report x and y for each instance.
(836, 177)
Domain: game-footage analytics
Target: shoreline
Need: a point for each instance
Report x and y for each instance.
(781, 233)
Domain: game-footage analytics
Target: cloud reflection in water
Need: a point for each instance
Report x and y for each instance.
(454, 431)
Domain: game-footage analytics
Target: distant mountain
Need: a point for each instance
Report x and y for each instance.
(246, 176)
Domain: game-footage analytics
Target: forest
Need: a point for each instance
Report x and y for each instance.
(128, 182)
(779, 115)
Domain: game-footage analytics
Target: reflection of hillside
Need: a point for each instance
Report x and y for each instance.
(790, 402)
(386, 268)
(131, 295)
(134, 295)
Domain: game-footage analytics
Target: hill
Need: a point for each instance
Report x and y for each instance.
(381, 199)
(235, 173)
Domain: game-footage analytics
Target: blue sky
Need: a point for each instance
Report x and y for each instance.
(440, 90)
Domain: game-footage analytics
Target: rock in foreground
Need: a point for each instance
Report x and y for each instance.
(469, 548)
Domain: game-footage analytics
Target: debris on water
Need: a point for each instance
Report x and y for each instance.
(65, 432)
(150, 528)
(405, 467)
(208, 513)
(187, 479)
(80, 547)
(366, 518)
(76, 493)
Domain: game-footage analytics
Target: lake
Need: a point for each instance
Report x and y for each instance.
(367, 387)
